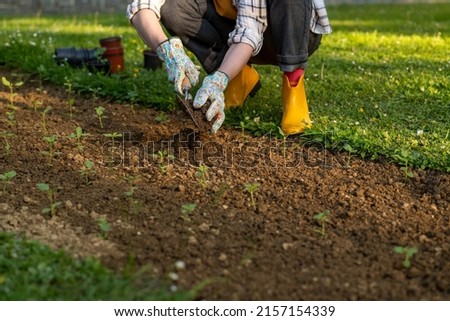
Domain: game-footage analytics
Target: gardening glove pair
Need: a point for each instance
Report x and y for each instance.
(178, 64)
(212, 89)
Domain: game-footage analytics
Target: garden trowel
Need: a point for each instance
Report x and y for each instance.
(185, 100)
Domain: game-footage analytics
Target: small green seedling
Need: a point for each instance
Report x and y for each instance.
(219, 194)
(187, 209)
(70, 99)
(404, 158)
(202, 176)
(134, 206)
(7, 145)
(131, 182)
(96, 93)
(252, 188)
(284, 137)
(350, 151)
(408, 253)
(132, 95)
(71, 102)
(6, 178)
(37, 104)
(41, 71)
(113, 137)
(322, 218)
(51, 142)
(100, 114)
(88, 171)
(162, 117)
(51, 195)
(163, 157)
(11, 118)
(242, 126)
(407, 172)
(104, 227)
(44, 117)
(78, 135)
(11, 87)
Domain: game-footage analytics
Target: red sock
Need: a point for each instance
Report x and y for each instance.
(294, 76)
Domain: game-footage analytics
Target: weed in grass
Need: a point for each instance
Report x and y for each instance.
(322, 219)
(163, 157)
(100, 114)
(134, 206)
(404, 158)
(88, 171)
(78, 135)
(408, 253)
(12, 86)
(202, 176)
(132, 96)
(104, 227)
(407, 172)
(51, 196)
(42, 70)
(6, 178)
(350, 151)
(186, 210)
(252, 188)
(162, 118)
(255, 126)
(51, 142)
(44, 117)
(242, 127)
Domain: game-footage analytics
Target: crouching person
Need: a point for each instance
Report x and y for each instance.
(228, 37)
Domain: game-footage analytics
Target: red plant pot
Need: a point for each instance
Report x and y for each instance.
(113, 53)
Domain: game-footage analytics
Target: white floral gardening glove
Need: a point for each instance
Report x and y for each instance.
(212, 89)
(178, 64)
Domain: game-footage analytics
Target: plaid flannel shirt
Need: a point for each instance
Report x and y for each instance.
(251, 19)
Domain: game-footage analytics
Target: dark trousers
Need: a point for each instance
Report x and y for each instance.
(288, 41)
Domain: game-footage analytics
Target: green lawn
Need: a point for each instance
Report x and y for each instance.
(380, 84)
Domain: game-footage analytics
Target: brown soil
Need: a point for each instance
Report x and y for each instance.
(273, 251)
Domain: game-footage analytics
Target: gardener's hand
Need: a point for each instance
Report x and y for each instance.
(212, 89)
(178, 64)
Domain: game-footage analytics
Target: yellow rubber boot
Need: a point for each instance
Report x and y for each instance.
(295, 108)
(246, 83)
